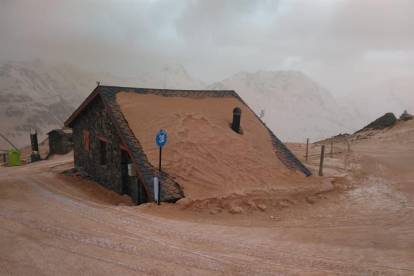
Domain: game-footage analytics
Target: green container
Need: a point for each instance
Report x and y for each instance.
(14, 157)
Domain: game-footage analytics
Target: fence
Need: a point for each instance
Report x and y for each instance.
(323, 153)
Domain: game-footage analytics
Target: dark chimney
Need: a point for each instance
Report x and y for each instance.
(35, 156)
(33, 141)
(236, 119)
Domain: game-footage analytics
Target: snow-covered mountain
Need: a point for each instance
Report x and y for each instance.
(42, 96)
(392, 96)
(39, 96)
(172, 76)
(296, 107)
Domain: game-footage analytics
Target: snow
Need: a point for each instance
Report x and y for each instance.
(41, 95)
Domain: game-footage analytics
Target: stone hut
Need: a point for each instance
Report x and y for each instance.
(106, 148)
(60, 141)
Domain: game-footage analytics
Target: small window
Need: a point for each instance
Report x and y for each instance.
(104, 159)
(70, 139)
(86, 140)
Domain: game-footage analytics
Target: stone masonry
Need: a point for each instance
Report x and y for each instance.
(95, 119)
(60, 141)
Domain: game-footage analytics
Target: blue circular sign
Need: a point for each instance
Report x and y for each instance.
(161, 138)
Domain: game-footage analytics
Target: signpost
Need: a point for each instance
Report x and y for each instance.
(161, 140)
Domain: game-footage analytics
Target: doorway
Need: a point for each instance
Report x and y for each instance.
(131, 185)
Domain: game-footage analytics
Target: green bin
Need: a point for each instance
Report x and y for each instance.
(14, 157)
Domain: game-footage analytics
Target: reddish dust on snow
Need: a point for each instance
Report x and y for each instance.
(358, 219)
(203, 153)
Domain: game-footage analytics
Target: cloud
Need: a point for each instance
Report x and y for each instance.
(342, 44)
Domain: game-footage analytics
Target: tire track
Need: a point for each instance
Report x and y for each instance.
(302, 262)
(200, 238)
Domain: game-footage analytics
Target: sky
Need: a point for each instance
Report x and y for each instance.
(345, 45)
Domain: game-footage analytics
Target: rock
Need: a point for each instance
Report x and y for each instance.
(311, 200)
(251, 204)
(326, 186)
(236, 210)
(385, 121)
(321, 196)
(184, 203)
(262, 207)
(283, 204)
(215, 210)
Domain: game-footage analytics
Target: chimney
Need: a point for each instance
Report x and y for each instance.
(35, 156)
(33, 141)
(236, 120)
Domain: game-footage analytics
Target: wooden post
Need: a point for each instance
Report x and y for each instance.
(307, 147)
(347, 142)
(321, 164)
(332, 147)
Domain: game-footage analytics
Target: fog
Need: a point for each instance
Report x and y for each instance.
(344, 45)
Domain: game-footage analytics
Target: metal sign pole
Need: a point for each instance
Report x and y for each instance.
(159, 181)
(160, 139)
(159, 165)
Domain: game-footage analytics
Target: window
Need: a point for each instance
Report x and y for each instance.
(86, 140)
(104, 159)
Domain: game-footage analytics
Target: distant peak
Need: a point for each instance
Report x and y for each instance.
(271, 74)
(174, 67)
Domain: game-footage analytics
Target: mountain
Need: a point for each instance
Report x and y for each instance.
(36, 95)
(42, 96)
(39, 95)
(172, 76)
(296, 107)
(393, 96)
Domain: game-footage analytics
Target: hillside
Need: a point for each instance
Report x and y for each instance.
(39, 96)
(42, 96)
(382, 133)
(398, 136)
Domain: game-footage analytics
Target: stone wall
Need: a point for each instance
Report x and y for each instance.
(60, 143)
(97, 121)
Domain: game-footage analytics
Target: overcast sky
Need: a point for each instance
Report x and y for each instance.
(344, 45)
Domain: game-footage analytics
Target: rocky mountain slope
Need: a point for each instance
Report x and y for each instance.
(41, 96)
(386, 132)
